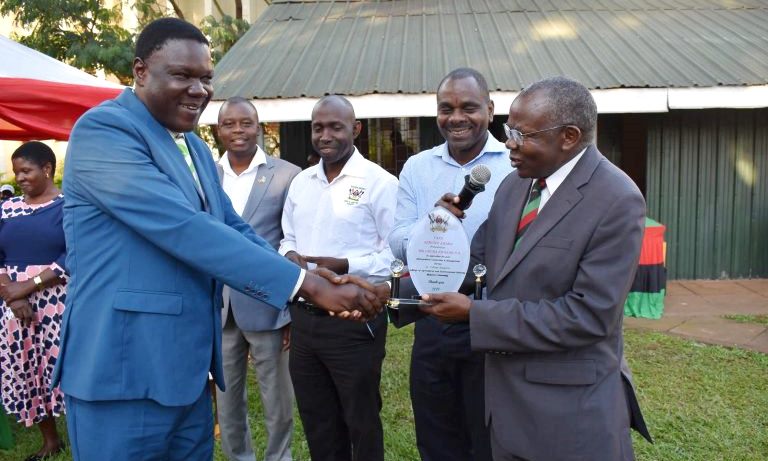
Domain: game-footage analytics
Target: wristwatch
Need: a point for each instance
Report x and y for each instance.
(38, 282)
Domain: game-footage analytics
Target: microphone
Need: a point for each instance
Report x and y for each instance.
(474, 183)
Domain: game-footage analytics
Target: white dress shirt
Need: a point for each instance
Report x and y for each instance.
(350, 217)
(238, 187)
(555, 179)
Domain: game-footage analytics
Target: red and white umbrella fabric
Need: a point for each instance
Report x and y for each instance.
(42, 98)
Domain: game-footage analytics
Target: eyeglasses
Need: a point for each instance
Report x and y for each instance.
(517, 136)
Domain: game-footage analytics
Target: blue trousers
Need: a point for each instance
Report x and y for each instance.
(140, 430)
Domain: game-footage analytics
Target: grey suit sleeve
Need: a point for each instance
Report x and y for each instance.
(589, 311)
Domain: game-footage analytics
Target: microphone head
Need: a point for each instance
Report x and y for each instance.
(480, 174)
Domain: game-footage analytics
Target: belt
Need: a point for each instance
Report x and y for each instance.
(311, 309)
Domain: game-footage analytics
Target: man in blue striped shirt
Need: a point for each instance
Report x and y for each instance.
(446, 376)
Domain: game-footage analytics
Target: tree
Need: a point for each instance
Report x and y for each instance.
(82, 33)
(223, 33)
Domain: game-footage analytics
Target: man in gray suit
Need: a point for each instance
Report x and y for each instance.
(561, 245)
(257, 185)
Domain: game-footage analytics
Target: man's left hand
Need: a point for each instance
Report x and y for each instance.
(447, 307)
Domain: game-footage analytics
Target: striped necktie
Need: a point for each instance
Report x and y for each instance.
(182, 145)
(531, 209)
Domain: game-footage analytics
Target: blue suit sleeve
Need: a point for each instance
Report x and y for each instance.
(110, 166)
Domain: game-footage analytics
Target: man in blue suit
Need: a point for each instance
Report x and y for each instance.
(151, 239)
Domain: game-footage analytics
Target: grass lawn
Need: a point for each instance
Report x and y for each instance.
(701, 403)
(758, 319)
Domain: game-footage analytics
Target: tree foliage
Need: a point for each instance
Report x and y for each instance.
(223, 33)
(82, 33)
(88, 35)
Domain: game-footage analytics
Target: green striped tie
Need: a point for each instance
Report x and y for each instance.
(182, 145)
(531, 209)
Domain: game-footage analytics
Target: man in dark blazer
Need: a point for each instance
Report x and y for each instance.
(561, 255)
(257, 185)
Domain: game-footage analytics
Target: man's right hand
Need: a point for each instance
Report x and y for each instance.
(296, 259)
(449, 202)
(340, 298)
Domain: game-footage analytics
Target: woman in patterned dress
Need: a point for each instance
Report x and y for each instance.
(32, 288)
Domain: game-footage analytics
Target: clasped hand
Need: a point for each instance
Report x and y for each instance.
(14, 291)
(15, 295)
(354, 297)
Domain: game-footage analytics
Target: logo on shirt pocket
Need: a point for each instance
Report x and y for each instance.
(355, 194)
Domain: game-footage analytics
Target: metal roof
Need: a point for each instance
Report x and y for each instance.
(312, 48)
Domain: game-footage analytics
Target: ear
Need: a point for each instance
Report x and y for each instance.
(47, 168)
(139, 71)
(490, 111)
(572, 136)
(357, 128)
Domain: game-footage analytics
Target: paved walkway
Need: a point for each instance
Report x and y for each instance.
(694, 309)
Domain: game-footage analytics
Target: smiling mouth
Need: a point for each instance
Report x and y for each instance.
(192, 107)
(458, 131)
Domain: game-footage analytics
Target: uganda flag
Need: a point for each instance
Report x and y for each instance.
(646, 298)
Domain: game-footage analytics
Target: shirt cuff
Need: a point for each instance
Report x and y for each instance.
(295, 291)
(358, 266)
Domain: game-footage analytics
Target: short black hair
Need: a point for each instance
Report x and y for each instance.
(37, 153)
(467, 72)
(238, 100)
(159, 31)
(568, 103)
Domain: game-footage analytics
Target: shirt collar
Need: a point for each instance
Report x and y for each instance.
(259, 158)
(491, 145)
(555, 179)
(355, 166)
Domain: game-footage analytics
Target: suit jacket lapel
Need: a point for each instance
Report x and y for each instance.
(509, 221)
(559, 204)
(264, 176)
(207, 183)
(168, 158)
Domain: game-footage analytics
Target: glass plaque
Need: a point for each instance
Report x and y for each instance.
(438, 252)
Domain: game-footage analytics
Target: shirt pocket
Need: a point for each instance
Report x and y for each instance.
(555, 242)
(349, 224)
(562, 373)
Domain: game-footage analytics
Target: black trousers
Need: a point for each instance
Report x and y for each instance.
(335, 366)
(447, 394)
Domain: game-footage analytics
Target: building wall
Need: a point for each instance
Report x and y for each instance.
(706, 182)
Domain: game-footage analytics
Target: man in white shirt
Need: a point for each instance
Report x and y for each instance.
(338, 215)
(257, 185)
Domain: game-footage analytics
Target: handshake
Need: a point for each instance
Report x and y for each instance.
(345, 296)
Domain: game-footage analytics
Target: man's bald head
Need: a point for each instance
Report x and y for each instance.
(338, 103)
(334, 129)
